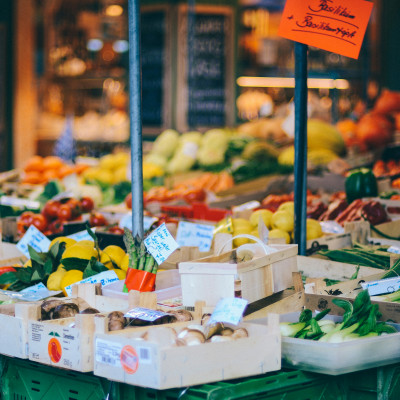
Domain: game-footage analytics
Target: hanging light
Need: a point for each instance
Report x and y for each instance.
(114, 10)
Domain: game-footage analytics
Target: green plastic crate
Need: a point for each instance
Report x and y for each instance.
(293, 385)
(26, 380)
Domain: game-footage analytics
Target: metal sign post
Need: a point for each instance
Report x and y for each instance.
(300, 145)
(135, 116)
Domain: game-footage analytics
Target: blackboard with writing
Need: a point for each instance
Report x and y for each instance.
(207, 94)
(154, 59)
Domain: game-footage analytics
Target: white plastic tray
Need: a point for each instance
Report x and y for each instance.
(338, 358)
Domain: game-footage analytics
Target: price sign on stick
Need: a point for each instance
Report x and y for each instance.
(334, 25)
(197, 235)
(160, 244)
(34, 238)
(228, 310)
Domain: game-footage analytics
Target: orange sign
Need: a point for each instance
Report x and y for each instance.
(334, 25)
(54, 350)
(129, 359)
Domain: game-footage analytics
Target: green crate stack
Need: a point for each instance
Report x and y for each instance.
(26, 380)
(292, 385)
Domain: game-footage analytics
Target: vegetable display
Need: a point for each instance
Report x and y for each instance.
(360, 320)
(360, 183)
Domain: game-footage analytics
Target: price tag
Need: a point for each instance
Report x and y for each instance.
(34, 238)
(19, 203)
(39, 291)
(394, 250)
(263, 231)
(126, 222)
(388, 285)
(105, 278)
(108, 353)
(160, 244)
(145, 314)
(250, 205)
(334, 25)
(197, 235)
(228, 310)
(82, 235)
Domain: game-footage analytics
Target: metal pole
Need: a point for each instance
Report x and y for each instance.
(135, 116)
(300, 145)
(191, 29)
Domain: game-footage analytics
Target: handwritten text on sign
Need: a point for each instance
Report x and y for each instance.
(228, 310)
(333, 25)
(160, 244)
(197, 235)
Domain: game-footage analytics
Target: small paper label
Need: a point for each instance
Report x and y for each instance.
(145, 314)
(250, 205)
(34, 238)
(263, 231)
(82, 235)
(126, 222)
(108, 353)
(160, 244)
(19, 203)
(382, 286)
(105, 278)
(38, 292)
(197, 235)
(228, 310)
(394, 250)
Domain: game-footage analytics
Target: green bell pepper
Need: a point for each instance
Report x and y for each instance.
(360, 183)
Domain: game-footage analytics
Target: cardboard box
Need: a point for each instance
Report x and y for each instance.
(212, 278)
(124, 357)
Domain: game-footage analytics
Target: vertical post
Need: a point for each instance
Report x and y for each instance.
(135, 116)
(300, 145)
(191, 30)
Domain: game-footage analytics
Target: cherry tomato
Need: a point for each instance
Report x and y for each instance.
(116, 230)
(75, 207)
(27, 217)
(50, 209)
(64, 213)
(194, 195)
(87, 204)
(22, 227)
(56, 226)
(97, 219)
(128, 200)
(40, 222)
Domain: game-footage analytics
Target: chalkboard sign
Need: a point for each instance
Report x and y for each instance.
(156, 70)
(205, 68)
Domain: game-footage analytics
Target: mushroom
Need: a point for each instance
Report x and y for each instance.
(191, 337)
(240, 333)
(66, 310)
(227, 331)
(116, 321)
(213, 329)
(89, 310)
(205, 318)
(220, 338)
(182, 315)
(47, 307)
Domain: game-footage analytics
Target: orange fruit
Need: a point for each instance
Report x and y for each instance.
(35, 163)
(50, 174)
(65, 170)
(79, 168)
(33, 177)
(52, 162)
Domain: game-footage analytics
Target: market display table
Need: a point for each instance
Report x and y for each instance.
(27, 380)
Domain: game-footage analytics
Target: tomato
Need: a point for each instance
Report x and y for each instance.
(64, 213)
(22, 227)
(97, 219)
(50, 209)
(128, 200)
(87, 204)
(56, 226)
(116, 230)
(27, 217)
(75, 206)
(194, 195)
(40, 222)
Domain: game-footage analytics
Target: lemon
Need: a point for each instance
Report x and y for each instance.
(91, 173)
(283, 220)
(105, 176)
(89, 243)
(255, 233)
(54, 279)
(242, 225)
(120, 273)
(109, 162)
(266, 216)
(287, 206)
(80, 251)
(28, 264)
(125, 263)
(278, 233)
(69, 278)
(63, 239)
(239, 241)
(121, 159)
(314, 230)
(120, 174)
(112, 255)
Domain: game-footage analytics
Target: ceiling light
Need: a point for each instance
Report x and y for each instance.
(114, 10)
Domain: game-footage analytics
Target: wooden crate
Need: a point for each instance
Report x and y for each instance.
(182, 254)
(124, 357)
(333, 241)
(9, 255)
(212, 278)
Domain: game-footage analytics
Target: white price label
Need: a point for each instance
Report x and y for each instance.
(197, 235)
(34, 238)
(160, 244)
(228, 310)
(39, 292)
(394, 250)
(105, 278)
(108, 353)
(82, 235)
(250, 205)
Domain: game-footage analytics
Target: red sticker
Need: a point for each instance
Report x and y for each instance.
(55, 350)
(129, 359)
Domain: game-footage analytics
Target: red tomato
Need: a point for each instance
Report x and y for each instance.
(64, 213)
(116, 230)
(87, 204)
(56, 226)
(194, 196)
(75, 206)
(128, 200)
(22, 227)
(97, 219)
(50, 209)
(40, 222)
(27, 217)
